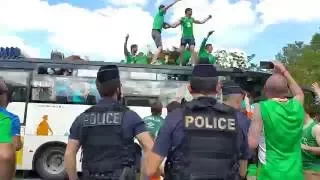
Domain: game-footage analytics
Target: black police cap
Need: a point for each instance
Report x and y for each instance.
(205, 71)
(230, 87)
(108, 73)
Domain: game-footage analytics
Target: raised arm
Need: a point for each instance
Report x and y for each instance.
(293, 85)
(203, 21)
(176, 24)
(125, 49)
(316, 89)
(170, 5)
(204, 42)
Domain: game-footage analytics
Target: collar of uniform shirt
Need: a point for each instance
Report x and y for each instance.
(106, 99)
(195, 96)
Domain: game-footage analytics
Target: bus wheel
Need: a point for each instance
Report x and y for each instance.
(50, 163)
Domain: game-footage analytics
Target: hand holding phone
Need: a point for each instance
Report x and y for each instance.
(266, 65)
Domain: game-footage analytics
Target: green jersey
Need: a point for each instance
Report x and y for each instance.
(130, 59)
(153, 124)
(159, 20)
(282, 122)
(203, 53)
(141, 59)
(310, 161)
(186, 57)
(5, 129)
(187, 27)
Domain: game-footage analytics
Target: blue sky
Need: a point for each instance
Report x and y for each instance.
(97, 28)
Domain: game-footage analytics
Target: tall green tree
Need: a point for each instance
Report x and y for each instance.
(303, 60)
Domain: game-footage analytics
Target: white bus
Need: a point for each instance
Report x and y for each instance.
(47, 103)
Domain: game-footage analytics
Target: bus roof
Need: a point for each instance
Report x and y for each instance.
(34, 63)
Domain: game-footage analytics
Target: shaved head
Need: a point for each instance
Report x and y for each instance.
(276, 87)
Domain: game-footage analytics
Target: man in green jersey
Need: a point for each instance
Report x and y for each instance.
(154, 122)
(130, 56)
(187, 33)
(7, 149)
(206, 50)
(158, 24)
(282, 121)
(311, 144)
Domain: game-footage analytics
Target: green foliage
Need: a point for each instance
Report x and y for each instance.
(303, 60)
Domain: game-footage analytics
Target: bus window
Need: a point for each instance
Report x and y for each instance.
(18, 81)
(64, 90)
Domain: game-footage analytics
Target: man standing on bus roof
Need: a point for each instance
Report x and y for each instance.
(158, 24)
(206, 50)
(187, 33)
(106, 133)
(130, 56)
(7, 144)
(189, 135)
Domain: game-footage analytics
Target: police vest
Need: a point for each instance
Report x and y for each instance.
(105, 149)
(209, 149)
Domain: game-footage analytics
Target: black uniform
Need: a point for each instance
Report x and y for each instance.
(201, 140)
(106, 133)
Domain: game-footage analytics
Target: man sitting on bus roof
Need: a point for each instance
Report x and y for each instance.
(206, 50)
(130, 56)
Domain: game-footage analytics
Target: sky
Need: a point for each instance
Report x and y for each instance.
(97, 28)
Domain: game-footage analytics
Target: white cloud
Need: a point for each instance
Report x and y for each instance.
(80, 30)
(277, 11)
(234, 23)
(102, 32)
(127, 2)
(14, 41)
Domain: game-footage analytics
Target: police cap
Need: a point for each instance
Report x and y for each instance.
(108, 73)
(230, 87)
(204, 71)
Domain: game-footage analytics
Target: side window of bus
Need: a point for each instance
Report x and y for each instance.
(17, 80)
(65, 90)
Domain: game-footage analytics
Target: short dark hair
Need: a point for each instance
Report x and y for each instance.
(203, 84)
(108, 88)
(156, 108)
(187, 9)
(172, 106)
(161, 6)
(133, 46)
(208, 45)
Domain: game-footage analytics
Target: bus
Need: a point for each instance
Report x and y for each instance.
(50, 94)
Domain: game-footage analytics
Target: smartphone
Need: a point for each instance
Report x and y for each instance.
(266, 65)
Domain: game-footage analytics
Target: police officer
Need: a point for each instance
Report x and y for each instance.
(201, 140)
(106, 134)
(233, 96)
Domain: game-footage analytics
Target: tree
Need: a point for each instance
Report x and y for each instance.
(291, 52)
(315, 42)
(303, 60)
